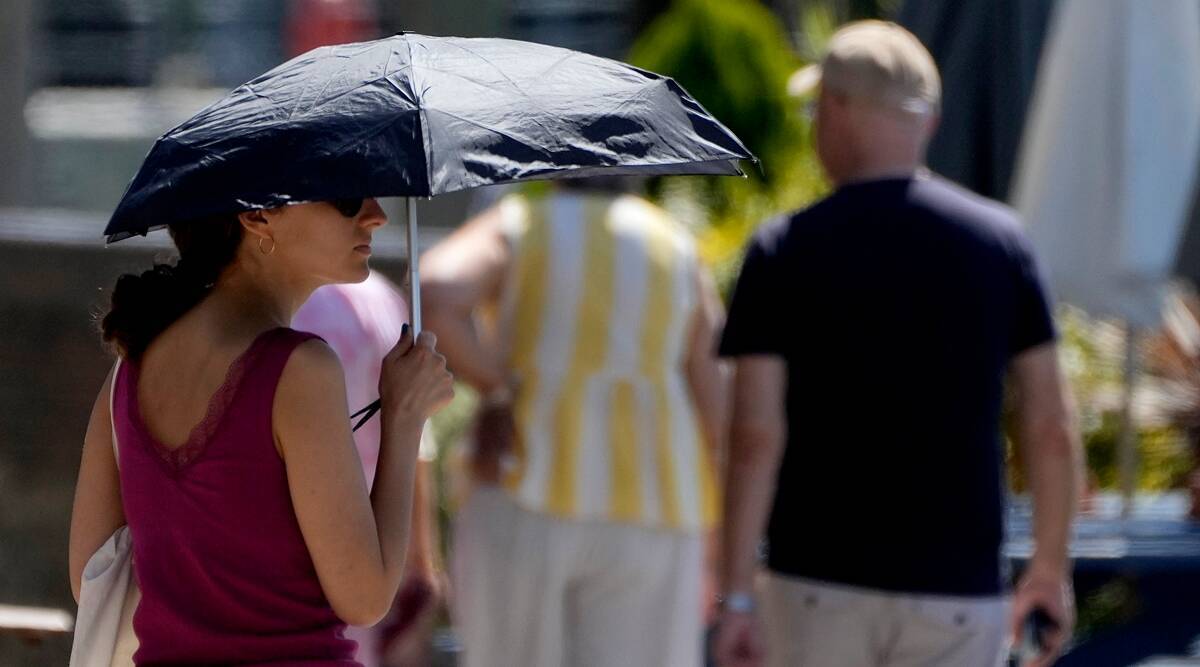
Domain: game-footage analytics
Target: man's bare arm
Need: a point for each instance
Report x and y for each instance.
(757, 436)
(459, 274)
(1050, 449)
(706, 373)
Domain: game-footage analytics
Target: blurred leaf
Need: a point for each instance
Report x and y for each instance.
(1115, 603)
(733, 57)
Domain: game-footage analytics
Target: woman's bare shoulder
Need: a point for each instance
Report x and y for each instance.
(313, 365)
(310, 401)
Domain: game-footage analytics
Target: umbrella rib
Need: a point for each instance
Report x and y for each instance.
(385, 76)
(426, 142)
(355, 90)
(490, 129)
(294, 110)
(532, 102)
(506, 77)
(407, 94)
(388, 72)
(649, 87)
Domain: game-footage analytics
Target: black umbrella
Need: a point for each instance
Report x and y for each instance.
(416, 116)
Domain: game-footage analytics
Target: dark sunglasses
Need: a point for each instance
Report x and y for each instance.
(347, 207)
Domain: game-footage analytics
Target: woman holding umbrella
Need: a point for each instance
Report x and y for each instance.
(252, 532)
(254, 537)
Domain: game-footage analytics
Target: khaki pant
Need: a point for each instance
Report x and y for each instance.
(815, 624)
(535, 591)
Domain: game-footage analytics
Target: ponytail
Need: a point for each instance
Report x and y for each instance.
(144, 305)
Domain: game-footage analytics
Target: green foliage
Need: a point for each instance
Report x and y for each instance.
(1093, 354)
(818, 19)
(1113, 604)
(451, 422)
(733, 57)
(1092, 357)
(1164, 458)
(449, 426)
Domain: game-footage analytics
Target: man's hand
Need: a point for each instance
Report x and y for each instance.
(739, 640)
(1047, 438)
(1050, 590)
(495, 431)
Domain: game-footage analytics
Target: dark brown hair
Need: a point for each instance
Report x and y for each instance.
(144, 305)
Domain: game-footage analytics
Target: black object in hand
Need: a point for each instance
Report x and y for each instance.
(1033, 634)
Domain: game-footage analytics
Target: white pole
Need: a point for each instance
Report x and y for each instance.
(414, 274)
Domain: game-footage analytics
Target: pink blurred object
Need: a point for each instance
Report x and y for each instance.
(361, 322)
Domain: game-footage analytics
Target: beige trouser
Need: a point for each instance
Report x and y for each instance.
(815, 624)
(535, 591)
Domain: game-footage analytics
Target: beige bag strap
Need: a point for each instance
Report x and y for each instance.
(112, 420)
(126, 642)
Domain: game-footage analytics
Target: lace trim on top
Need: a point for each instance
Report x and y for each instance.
(179, 457)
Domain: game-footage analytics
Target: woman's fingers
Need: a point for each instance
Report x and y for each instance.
(403, 345)
(415, 375)
(427, 339)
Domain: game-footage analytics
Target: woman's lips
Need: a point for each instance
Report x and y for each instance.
(364, 248)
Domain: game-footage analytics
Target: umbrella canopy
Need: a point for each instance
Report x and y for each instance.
(1109, 158)
(414, 115)
(1187, 260)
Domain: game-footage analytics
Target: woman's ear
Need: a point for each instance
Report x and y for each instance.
(255, 222)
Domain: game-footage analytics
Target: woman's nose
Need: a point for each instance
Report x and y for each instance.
(372, 214)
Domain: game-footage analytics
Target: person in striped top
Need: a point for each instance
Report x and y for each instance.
(587, 323)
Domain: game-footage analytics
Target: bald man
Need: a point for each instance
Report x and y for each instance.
(865, 439)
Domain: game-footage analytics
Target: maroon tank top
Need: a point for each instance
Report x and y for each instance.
(225, 575)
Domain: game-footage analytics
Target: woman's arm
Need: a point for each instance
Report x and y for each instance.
(357, 542)
(97, 510)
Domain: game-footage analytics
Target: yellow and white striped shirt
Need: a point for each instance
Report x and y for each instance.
(596, 314)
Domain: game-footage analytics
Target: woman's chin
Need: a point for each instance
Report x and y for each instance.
(350, 274)
(361, 274)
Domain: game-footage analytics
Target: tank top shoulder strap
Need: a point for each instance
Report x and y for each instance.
(118, 400)
(270, 358)
(260, 379)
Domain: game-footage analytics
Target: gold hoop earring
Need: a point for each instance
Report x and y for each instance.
(260, 248)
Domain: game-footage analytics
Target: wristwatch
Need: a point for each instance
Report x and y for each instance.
(737, 602)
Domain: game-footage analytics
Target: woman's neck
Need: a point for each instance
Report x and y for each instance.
(258, 301)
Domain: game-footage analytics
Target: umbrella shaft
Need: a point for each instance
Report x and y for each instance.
(414, 274)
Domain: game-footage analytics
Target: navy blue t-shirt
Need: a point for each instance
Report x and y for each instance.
(897, 306)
